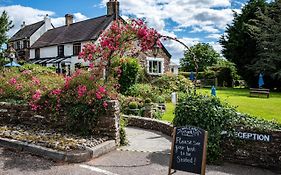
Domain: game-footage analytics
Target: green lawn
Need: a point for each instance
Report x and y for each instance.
(267, 108)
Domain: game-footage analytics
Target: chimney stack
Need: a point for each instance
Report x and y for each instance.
(23, 24)
(113, 8)
(68, 19)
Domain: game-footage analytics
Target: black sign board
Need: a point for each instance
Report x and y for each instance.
(188, 152)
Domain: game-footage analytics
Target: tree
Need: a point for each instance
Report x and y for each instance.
(267, 32)
(5, 26)
(239, 46)
(205, 55)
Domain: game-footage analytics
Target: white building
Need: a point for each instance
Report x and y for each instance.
(27, 36)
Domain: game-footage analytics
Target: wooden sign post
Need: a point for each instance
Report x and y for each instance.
(188, 151)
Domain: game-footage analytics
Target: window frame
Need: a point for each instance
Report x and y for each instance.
(60, 50)
(159, 68)
(75, 45)
(37, 53)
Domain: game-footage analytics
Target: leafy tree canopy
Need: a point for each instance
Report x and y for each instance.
(205, 54)
(239, 46)
(5, 26)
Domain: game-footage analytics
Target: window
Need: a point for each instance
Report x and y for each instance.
(21, 44)
(76, 49)
(61, 51)
(155, 66)
(37, 53)
(18, 45)
(25, 44)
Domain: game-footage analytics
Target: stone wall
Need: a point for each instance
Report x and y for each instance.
(255, 153)
(148, 123)
(245, 152)
(107, 125)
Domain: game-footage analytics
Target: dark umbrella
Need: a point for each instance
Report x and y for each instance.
(192, 76)
(12, 64)
(261, 82)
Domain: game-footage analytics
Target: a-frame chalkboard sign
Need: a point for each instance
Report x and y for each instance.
(189, 148)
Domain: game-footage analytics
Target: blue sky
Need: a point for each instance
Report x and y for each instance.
(192, 21)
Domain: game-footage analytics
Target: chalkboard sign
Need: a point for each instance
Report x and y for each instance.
(188, 152)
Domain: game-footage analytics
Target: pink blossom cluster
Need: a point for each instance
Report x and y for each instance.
(35, 81)
(13, 81)
(100, 92)
(82, 89)
(56, 92)
(37, 95)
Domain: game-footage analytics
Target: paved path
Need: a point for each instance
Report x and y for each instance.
(147, 154)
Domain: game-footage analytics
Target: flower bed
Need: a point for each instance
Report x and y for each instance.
(50, 138)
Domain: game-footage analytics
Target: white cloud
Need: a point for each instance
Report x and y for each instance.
(215, 36)
(18, 14)
(208, 16)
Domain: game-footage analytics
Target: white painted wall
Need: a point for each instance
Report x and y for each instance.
(44, 28)
(46, 52)
(32, 54)
(68, 49)
(176, 69)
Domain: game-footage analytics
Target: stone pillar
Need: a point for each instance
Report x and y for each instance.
(109, 124)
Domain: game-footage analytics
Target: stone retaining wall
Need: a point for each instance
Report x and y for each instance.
(246, 152)
(255, 153)
(107, 125)
(148, 123)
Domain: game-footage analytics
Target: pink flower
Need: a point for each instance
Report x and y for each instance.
(26, 72)
(1, 91)
(37, 95)
(13, 81)
(102, 90)
(105, 104)
(35, 81)
(98, 96)
(19, 87)
(56, 92)
(81, 90)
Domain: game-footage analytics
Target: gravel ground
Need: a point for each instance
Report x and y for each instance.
(50, 138)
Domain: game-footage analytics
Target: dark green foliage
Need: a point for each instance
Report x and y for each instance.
(5, 26)
(239, 46)
(207, 113)
(122, 132)
(210, 114)
(129, 73)
(205, 54)
(224, 71)
(82, 118)
(266, 30)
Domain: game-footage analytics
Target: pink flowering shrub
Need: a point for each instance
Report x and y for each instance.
(121, 39)
(25, 83)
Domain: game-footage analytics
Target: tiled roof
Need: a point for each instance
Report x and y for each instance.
(81, 31)
(27, 31)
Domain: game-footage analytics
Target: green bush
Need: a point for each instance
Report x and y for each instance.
(207, 113)
(210, 114)
(169, 83)
(133, 105)
(147, 101)
(122, 132)
(129, 72)
(144, 91)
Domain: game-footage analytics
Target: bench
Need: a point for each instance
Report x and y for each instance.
(257, 92)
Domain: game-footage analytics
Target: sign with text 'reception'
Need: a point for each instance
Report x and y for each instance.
(188, 152)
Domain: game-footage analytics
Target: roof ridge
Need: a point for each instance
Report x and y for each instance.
(80, 22)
